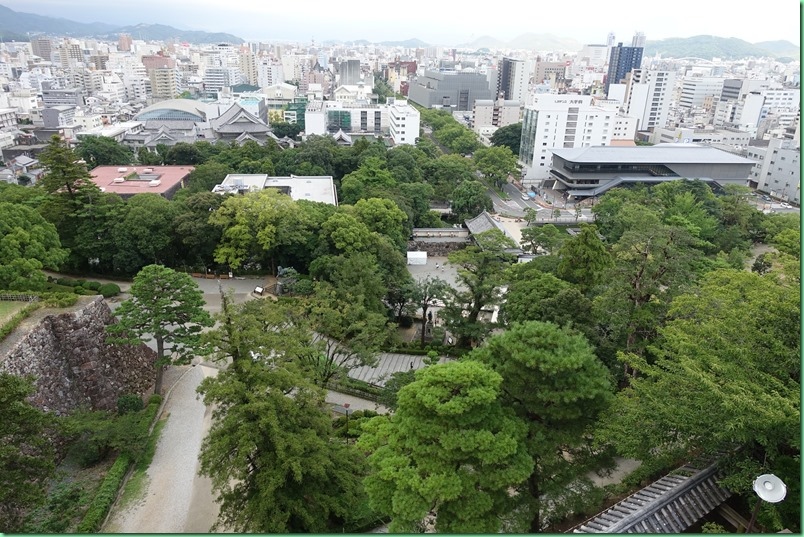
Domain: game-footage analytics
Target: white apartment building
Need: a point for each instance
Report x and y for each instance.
(88, 121)
(137, 88)
(778, 169)
(164, 83)
(269, 73)
(217, 78)
(647, 97)
(695, 89)
(562, 121)
(8, 118)
(500, 113)
(403, 122)
(755, 107)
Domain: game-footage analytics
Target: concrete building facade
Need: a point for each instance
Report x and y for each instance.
(500, 113)
(647, 97)
(591, 171)
(403, 122)
(456, 90)
(777, 170)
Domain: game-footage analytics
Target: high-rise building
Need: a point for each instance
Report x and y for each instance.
(512, 79)
(350, 73)
(638, 40)
(217, 78)
(622, 61)
(124, 43)
(43, 48)
(248, 66)
(164, 83)
(269, 73)
(647, 97)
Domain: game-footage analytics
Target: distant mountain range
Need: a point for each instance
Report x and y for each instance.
(529, 41)
(18, 26)
(728, 48)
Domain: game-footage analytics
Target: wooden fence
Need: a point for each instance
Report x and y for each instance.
(8, 297)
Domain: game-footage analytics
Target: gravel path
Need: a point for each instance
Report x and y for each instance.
(176, 499)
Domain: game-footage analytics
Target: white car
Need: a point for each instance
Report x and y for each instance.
(525, 197)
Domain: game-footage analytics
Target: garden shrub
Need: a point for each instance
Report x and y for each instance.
(94, 286)
(109, 290)
(105, 496)
(129, 403)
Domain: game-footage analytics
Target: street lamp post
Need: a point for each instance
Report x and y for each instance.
(770, 489)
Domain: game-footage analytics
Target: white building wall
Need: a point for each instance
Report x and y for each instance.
(403, 122)
(550, 124)
(695, 89)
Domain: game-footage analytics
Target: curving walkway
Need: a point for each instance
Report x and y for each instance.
(176, 499)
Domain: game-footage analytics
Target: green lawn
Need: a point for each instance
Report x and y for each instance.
(7, 309)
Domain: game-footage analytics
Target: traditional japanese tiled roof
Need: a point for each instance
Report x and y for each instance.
(670, 505)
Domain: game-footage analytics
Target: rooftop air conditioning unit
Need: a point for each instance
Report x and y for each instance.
(121, 170)
(155, 182)
(119, 180)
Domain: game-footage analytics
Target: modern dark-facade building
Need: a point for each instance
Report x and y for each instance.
(621, 62)
(592, 171)
(512, 79)
(455, 90)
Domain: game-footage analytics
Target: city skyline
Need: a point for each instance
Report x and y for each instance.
(319, 20)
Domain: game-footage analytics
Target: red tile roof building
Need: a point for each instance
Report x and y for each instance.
(127, 181)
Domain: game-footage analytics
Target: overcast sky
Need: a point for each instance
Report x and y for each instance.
(446, 22)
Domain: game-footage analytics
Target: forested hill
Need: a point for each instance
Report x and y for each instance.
(710, 46)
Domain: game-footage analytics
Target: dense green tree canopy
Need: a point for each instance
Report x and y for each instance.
(273, 465)
(165, 306)
(26, 453)
(27, 244)
(450, 452)
(509, 136)
(556, 386)
(496, 163)
(469, 199)
(103, 151)
(726, 374)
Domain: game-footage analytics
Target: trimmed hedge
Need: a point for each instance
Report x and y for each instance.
(105, 496)
(107, 492)
(109, 290)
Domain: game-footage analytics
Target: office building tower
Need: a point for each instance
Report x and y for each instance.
(622, 61)
(512, 79)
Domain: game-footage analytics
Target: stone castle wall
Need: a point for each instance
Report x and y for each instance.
(72, 365)
(436, 249)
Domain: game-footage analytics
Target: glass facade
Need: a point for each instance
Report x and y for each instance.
(526, 146)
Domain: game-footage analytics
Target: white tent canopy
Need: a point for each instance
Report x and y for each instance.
(417, 258)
